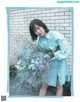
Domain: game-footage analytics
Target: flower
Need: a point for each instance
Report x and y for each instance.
(32, 67)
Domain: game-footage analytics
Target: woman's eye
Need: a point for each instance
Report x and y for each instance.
(38, 27)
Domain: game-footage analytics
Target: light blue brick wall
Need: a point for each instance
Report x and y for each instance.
(58, 19)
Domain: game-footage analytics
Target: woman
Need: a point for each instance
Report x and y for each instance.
(60, 49)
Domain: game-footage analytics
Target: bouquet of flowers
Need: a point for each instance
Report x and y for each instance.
(32, 66)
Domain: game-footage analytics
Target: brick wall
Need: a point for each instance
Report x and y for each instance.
(58, 19)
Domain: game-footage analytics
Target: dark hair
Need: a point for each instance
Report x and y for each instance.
(32, 28)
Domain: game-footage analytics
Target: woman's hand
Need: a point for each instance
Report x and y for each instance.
(58, 48)
(52, 53)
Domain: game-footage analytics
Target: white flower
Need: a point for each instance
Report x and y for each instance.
(32, 61)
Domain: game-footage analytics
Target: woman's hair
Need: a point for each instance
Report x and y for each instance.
(32, 28)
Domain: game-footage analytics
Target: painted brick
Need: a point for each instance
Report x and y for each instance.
(69, 20)
(59, 13)
(59, 28)
(64, 32)
(54, 10)
(67, 28)
(55, 24)
(59, 21)
(64, 17)
(65, 24)
(64, 10)
(68, 13)
(54, 17)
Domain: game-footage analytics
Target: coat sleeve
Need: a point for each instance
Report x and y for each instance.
(65, 47)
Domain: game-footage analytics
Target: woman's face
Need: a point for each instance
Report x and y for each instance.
(39, 30)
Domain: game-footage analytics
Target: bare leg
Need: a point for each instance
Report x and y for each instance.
(43, 90)
(59, 89)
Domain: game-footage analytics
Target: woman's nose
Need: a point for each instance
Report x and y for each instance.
(38, 31)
